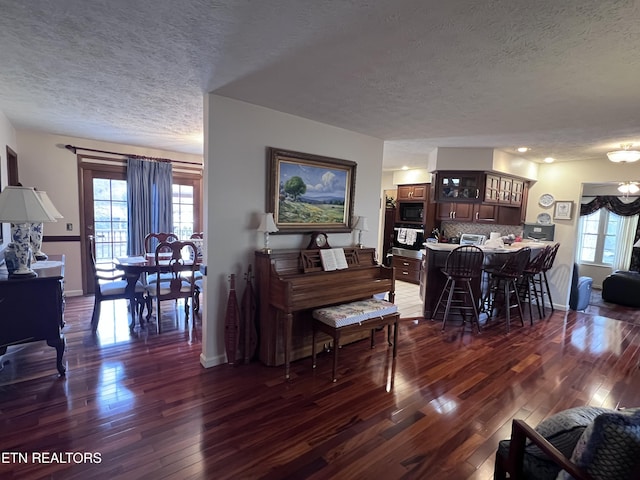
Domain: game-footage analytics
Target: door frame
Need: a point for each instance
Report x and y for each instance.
(87, 171)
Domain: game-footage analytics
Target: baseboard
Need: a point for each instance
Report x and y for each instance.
(212, 362)
(73, 293)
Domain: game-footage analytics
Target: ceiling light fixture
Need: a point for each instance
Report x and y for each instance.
(549, 160)
(628, 187)
(523, 149)
(625, 155)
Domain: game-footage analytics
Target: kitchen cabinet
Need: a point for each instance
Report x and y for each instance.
(483, 213)
(517, 192)
(503, 199)
(459, 186)
(407, 269)
(503, 190)
(413, 192)
(479, 213)
(460, 212)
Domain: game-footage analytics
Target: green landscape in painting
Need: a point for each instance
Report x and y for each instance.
(301, 212)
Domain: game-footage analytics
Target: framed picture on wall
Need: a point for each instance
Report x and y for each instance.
(563, 210)
(307, 192)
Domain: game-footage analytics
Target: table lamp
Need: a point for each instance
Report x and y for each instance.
(22, 206)
(361, 226)
(267, 225)
(36, 228)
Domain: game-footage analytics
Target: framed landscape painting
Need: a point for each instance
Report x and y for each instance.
(309, 192)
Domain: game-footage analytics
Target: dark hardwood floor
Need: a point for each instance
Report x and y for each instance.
(144, 408)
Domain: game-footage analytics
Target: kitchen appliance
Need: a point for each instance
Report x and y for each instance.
(407, 237)
(537, 231)
(472, 239)
(411, 212)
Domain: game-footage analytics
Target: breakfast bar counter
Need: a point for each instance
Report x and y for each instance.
(434, 256)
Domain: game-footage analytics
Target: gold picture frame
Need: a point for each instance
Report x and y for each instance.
(308, 192)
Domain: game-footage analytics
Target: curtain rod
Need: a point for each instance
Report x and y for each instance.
(75, 149)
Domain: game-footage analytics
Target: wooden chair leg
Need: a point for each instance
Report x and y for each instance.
(313, 346)
(95, 318)
(336, 344)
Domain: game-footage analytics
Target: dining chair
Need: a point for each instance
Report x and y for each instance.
(178, 279)
(151, 241)
(111, 284)
(198, 238)
(462, 267)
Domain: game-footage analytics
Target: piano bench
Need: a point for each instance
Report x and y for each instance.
(354, 317)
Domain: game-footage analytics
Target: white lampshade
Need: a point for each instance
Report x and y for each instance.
(361, 224)
(267, 224)
(23, 205)
(48, 204)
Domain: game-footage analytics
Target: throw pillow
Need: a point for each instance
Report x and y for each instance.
(564, 429)
(610, 447)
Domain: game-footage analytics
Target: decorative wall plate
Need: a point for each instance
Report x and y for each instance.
(546, 200)
(544, 219)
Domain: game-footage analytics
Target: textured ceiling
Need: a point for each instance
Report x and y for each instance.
(561, 77)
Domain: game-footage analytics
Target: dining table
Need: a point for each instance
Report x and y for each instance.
(137, 267)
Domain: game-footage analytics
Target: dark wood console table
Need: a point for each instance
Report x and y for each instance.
(31, 309)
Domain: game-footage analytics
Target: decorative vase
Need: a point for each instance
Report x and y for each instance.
(36, 241)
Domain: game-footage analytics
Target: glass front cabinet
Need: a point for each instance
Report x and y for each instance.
(459, 186)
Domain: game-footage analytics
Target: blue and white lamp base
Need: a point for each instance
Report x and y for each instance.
(20, 234)
(36, 241)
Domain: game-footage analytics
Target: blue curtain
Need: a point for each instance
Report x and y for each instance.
(149, 200)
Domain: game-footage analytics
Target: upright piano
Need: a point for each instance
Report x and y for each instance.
(291, 283)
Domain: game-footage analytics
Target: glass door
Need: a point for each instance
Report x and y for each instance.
(104, 215)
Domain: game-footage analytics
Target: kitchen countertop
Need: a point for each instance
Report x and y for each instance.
(534, 245)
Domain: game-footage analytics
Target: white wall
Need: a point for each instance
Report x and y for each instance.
(7, 138)
(564, 181)
(44, 163)
(236, 137)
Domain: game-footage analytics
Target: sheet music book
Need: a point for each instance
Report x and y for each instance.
(333, 259)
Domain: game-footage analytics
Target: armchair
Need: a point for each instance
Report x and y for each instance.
(585, 443)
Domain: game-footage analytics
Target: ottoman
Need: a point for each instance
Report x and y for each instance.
(623, 288)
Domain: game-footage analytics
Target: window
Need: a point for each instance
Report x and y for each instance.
(110, 218)
(183, 210)
(599, 237)
(186, 205)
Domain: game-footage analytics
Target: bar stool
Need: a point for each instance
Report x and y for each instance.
(551, 257)
(504, 282)
(532, 281)
(463, 265)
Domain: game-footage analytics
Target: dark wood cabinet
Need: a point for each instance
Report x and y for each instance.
(453, 186)
(483, 213)
(418, 191)
(407, 269)
(32, 309)
(387, 239)
(460, 212)
(503, 200)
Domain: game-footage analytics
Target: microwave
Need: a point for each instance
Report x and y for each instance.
(411, 212)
